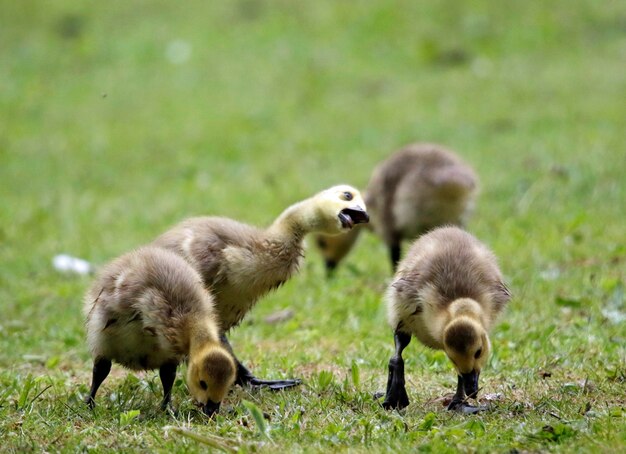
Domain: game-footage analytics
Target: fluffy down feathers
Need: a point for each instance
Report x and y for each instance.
(441, 267)
(140, 308)
(240, 263)
(420, 187)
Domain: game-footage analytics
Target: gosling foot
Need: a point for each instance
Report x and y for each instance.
(396, 399)
(91, 403)
(396, 396)
(245, 378)
(169, 408)
(465, 408)
(275, 385)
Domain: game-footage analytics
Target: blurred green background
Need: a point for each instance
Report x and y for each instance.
(118, 119)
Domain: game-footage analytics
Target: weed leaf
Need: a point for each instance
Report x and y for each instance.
(257, 415)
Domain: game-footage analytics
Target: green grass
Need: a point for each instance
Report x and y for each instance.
(104, 143)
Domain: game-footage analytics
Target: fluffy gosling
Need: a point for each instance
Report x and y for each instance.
(418, 188)
(447, 292)
(148, 310)
(241, 263)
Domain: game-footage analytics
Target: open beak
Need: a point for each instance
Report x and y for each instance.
(210, 408)
(349, 217)
(470, 383)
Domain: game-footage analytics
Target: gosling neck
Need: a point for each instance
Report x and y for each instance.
(294, 223)
(464, 308)
(201, 333)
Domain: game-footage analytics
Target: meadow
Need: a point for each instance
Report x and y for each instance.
(119, 119)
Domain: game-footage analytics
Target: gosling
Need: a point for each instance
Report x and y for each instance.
(418, 188)
(447, 292)
(241, 263)
(148, 310)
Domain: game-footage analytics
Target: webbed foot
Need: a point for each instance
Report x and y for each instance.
(245, 377)
(169, 408)
(396, 398)
(275, 385)
(91, 403)
(465, 408)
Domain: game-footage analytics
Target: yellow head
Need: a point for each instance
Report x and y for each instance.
(210, 374)
(338, 209)
(467, 345)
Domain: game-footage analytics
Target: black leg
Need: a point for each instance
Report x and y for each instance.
(458, 401)
(396, 396)
(167, 372)
(459, 396)
(331, 265)
(394, 254)
(101, 369)
(246, 378)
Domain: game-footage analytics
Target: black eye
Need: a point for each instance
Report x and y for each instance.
(478, 353)
(321, 242)
(203, 385)
(348, 195)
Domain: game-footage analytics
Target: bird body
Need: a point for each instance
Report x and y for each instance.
(239, 263)
(447, 293)
(420, 187)
(441, 267)
(149, 310)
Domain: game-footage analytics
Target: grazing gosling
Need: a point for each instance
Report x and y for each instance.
(240, 263)
(447, 292)
(418, 188)
(148, 310)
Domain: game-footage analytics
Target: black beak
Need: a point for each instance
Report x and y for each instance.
(349, 217)
(470, 383)
(210, 408)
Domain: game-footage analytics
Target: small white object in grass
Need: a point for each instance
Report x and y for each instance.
(491, 397)
(178, 51)
(614, 316)
(69, 264)
(550, 274)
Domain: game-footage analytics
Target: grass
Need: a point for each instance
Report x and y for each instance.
(118, 119)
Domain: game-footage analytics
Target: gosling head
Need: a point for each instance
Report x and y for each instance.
(339, 209)
(210, 375)
(467, 345)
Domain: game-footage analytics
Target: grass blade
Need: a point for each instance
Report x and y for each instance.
(219, 443)
(257, 414)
